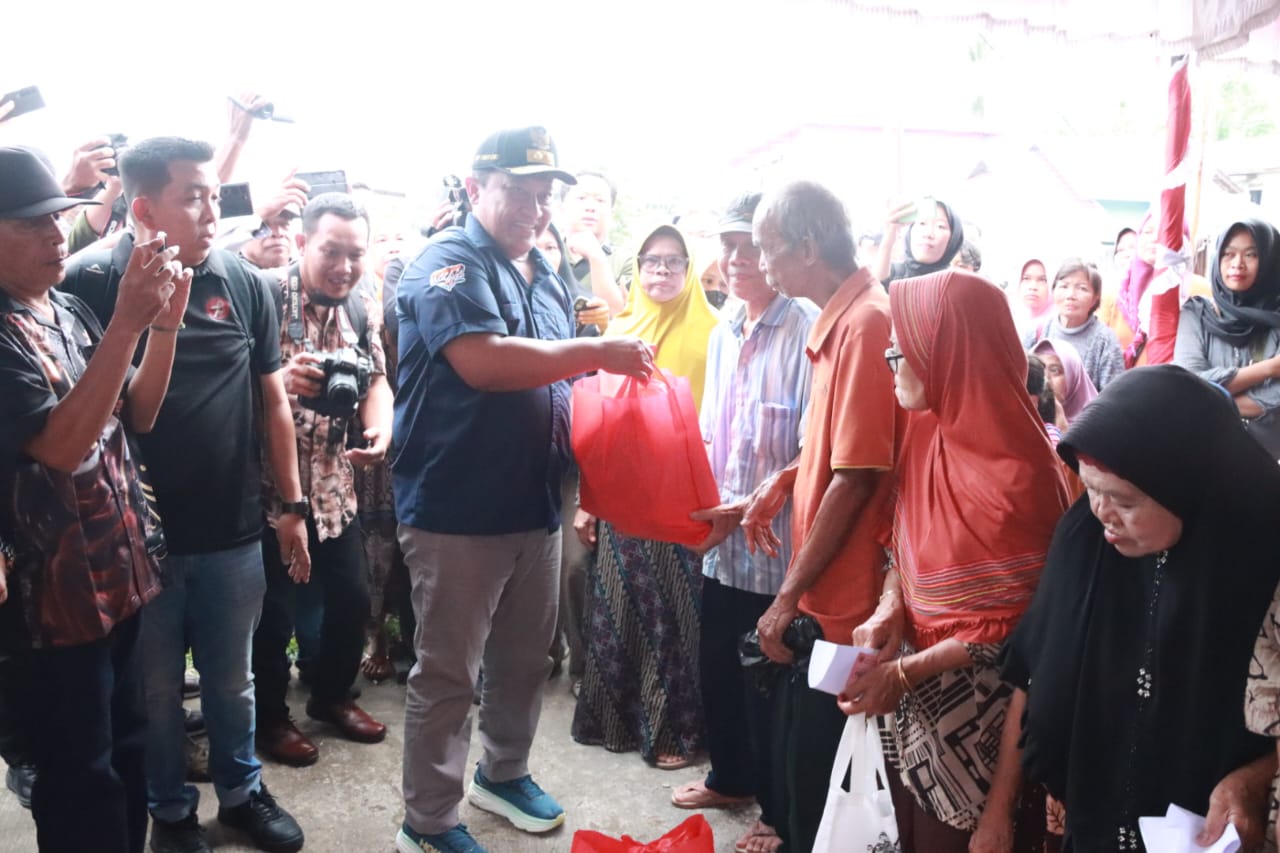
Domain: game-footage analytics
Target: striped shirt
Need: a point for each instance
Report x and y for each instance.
(753, 411)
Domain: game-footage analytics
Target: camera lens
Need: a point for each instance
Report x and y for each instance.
(343, 391)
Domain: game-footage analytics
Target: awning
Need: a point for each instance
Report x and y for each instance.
(1240, 32)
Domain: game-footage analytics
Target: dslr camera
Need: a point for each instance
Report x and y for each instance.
(346, 382)
(458, 198)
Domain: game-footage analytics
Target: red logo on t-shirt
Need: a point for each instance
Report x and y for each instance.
(217, 308)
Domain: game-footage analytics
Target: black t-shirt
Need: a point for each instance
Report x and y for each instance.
(204, 453)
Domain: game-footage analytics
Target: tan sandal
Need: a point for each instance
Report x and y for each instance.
(672, 762)
(377, 667)
(696, 795)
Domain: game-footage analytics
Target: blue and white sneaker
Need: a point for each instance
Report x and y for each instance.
(456, 840)
(520, 801)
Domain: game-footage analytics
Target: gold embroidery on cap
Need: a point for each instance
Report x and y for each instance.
(534, 155)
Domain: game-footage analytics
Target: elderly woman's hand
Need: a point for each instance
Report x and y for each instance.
(994, 833)
(883, 631)
(876, 691)
(1240, 799)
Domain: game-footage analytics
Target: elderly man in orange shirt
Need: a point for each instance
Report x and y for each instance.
(839, 483)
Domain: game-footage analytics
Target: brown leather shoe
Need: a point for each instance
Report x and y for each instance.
(349, 718)
(285, 744)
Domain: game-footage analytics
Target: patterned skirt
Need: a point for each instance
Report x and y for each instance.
(947, 738)
(377, 511)
(640, 689)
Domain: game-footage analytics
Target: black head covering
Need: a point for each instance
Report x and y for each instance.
(910, 267)
(1239, 315)
(1099, 616)
(565, 270)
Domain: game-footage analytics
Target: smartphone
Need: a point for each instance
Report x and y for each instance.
(235, 201)
(924, 206)
(324, 182)
(119, 142)
(24, 101)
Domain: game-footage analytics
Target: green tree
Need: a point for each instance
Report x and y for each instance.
(1243, 111)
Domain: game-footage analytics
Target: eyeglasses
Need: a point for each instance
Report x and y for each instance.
(674, 263)
(892, 356)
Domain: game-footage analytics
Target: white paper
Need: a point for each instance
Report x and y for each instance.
(831, 664)
(1176, 833)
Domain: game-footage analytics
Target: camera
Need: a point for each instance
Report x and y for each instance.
(585, 330)
(458, 198)
(266, 112)
(346, 382)
(119, 142)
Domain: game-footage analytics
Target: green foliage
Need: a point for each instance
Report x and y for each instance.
(1244, 112)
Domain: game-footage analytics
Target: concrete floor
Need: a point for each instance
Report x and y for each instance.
(349, 802)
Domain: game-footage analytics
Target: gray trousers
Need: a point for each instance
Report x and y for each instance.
(574, 558)
(477, 598)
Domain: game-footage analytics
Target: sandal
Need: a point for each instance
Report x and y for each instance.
(672, 762)
(377, 667)
(760, 838)
(696, 795)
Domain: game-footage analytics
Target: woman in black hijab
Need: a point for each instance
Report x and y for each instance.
(1136, 648)
(934, 237)
(1234, 340)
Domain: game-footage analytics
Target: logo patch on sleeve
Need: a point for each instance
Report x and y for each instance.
(449, 277)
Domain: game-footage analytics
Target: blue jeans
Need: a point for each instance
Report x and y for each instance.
(213, 601)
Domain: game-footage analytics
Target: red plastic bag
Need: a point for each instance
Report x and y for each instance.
(639, 448)
(692, 836)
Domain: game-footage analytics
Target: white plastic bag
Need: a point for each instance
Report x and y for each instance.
(859, 820)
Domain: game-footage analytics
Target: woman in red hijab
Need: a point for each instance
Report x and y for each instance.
(979, 493)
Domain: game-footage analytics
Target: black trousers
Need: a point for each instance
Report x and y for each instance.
(87, 726)
(738, 716)
(807, 729)
(339, 566)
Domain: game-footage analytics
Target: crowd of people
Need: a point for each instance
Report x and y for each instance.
(222, 435)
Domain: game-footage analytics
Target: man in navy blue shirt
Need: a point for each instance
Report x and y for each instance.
(481, 441)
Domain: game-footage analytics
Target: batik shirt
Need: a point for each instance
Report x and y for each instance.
(81, 564)
(327, 477)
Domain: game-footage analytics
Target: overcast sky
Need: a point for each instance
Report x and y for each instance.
(662, 94)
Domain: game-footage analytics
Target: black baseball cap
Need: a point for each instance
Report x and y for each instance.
(521, 151)
(28, 187)
(737, 217)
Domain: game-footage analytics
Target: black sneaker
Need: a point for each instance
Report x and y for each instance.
(183, 836)
(272, 828)
(20, 778)
(194, 721)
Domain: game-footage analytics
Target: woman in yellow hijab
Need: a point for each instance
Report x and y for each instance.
(668, 308)
(640, 688)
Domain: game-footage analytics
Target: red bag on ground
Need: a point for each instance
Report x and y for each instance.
(639, 448)
(692, 836)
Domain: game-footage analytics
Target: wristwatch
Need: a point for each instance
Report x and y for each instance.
(301, 508)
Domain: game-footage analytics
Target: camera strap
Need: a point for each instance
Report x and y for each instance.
(296, 327)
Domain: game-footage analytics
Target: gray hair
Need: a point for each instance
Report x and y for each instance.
(807, 209)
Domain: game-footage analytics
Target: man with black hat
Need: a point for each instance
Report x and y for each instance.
(75, 521)
(481, 442)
